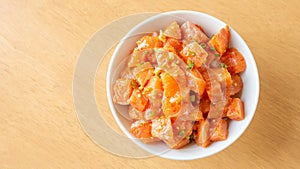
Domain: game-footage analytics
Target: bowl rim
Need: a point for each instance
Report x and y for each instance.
(110, 71)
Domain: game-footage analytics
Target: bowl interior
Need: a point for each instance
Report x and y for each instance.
(211, 25)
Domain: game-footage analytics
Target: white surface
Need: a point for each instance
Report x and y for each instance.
(211, 25)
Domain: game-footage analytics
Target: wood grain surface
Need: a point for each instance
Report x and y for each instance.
(40, 42)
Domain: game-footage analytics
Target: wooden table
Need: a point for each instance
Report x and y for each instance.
(39, 46)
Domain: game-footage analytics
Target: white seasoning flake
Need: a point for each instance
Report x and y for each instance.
(220, 77)
(143, 45)
(173, 99)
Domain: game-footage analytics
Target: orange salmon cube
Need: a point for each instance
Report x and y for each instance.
(138, 100)
(221, 40)
(236, 109)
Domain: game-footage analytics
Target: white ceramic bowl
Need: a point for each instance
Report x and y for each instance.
(211, 25)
